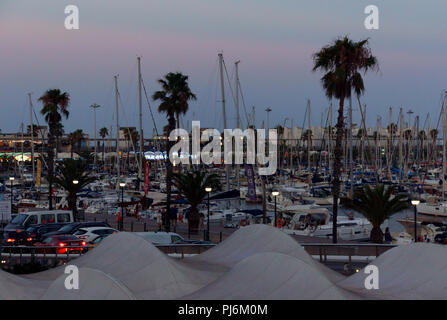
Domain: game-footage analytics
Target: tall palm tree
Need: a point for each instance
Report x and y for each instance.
(342, 62)
(59, 133)
(174, 98)
(72, 141)
(73, 170)
(55, 104)
(191, 186)
(103, 132)
(377, 205)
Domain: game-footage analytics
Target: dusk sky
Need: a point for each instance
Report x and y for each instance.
(273, 39)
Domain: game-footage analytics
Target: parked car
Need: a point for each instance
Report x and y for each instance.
(16, 238)
(73, 227)
(38, 232)
(96, 241)
(90, 233)
(61, 244)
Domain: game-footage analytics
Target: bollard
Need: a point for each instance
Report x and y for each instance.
(145, 227)
(220, 236)
(131, 226)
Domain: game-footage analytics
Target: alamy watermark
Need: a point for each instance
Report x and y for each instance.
(72, 18)
(72, 280)
(211, 153)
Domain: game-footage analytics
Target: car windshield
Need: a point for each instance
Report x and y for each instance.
(19, 219)
(31, 229)
(67, 229)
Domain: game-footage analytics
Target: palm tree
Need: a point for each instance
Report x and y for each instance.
(377, 205)
(191, 186)
(342, 61)
(103, 132)
(55, 104)
(173, 98)
(59, 134)
(70, 171)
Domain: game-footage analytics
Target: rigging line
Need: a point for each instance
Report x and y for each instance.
(148, 103)
(243, 104)
(434, 140)
(229, 83)
(127, 123)
(128, 128)
(41, 133)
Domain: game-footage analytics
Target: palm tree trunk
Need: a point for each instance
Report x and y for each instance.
(103, 159)
(376, 235)
(337, 166)
(50, 166)
(193, 221)
(169, 144)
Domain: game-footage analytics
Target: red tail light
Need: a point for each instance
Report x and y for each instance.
(29, 239)
(83, 243)
(33, 235)
(61, 244)
(10, 240)
(18, 231)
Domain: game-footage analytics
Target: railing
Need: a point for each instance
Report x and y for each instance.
(184, 248)
(19, 255)
(323, 250)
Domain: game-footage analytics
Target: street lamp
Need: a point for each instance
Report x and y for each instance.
(208, 190)
(275, 194)
(11, 179)
(415, 203)
(122, 185)
(75, 209)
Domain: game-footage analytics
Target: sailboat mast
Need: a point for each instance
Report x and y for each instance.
(238, 120)
(140, 116)
(222, 90)
(350, 146)
(32, 132)
(444, 132)
(117, 133)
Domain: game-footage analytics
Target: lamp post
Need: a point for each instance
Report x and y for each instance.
(275, 194)
(415, 203)
(122, 185)
(12, 194)
(208, 190)
(75, 209)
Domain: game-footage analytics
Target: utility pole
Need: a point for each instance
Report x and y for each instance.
(94, 107)
(140, 113)
(32, 132)
(401, 118)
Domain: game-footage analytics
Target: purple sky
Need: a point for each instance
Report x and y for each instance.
(273, 39)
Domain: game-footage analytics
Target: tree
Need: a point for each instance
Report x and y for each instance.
(377, 205)
(103, 132)
(342, 61)
(73, 170)
(55, 104)
(173, 98)
(191, 186)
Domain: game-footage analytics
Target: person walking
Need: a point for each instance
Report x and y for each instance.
(388, 237)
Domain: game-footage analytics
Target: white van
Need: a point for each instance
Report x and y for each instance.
(27, 219)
